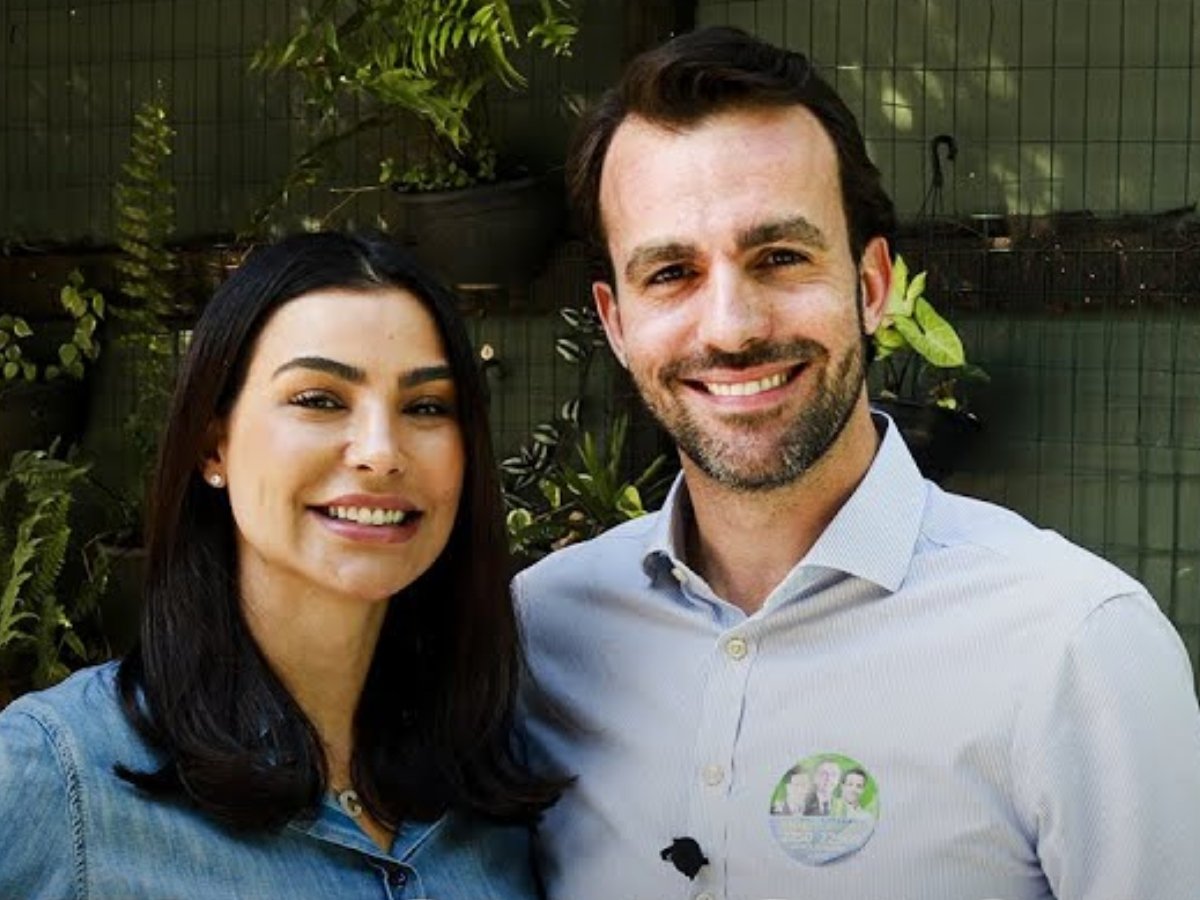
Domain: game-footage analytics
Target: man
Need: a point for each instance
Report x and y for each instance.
(828, 775)
(797, 788)
(854, 782)
(1022, 709)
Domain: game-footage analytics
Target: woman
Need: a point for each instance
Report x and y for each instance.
(320, 702)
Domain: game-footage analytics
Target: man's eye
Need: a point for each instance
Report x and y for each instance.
(316, 400)
(783, 257)
(668, 274)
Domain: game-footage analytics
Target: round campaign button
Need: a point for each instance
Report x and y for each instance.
(823, 808)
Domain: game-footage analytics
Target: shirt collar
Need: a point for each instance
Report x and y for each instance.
(872, 536)
(329, 823)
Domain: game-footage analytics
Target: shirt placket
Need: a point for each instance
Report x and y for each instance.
(712, 774)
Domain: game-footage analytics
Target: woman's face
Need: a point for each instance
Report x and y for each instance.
(342, 455)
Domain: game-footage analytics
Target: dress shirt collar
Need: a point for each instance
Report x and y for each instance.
(871, 537)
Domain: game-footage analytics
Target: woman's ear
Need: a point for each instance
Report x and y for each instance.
(212, 459)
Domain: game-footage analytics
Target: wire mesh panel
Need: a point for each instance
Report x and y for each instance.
(1053, 104)
(73, 76)
(73, 72)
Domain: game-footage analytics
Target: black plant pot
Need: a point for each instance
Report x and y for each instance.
(938, 438)
(33, 414)
(488, 236)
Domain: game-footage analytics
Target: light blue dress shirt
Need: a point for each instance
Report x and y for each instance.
(1022, 713)
(70, 828)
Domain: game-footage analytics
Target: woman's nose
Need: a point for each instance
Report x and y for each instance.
(375, 444)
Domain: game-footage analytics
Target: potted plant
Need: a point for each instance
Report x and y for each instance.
(41, 400)
(49, 583)
(579, 498)
(564, 484)
(430, 62)
(139, 367)
(920, 365)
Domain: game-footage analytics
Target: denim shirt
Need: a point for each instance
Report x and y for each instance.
(70, 828)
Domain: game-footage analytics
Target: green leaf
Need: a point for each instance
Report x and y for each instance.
(898, 304)
(933, 337)
(546, 434)
(916, 288)
(630, 502)
(552, 492)
(518, 520)
(975, 373)
(889, 338)
(72, 301)
(21, 328)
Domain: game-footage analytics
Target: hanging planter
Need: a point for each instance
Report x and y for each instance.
(485, 236)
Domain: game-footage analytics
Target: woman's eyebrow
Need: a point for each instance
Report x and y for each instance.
(323, 364)
(426, 374)
(344, 371)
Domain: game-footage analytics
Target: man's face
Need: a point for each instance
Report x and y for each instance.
(828, 774)
(798, 786)
(736, 302)
(852, 788)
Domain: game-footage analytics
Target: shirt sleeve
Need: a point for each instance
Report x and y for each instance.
(1107, 759)
(40, 825)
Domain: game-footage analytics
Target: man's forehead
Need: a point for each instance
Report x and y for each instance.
(641, 177)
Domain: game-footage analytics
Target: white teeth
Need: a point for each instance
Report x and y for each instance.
(746, 388)
(365, 516)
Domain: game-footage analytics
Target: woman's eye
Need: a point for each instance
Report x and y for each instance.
(430, 407)
(316, 400)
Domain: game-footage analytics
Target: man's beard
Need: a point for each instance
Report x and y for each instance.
(804, 441)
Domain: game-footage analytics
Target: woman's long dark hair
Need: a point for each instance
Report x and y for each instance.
(433, 724)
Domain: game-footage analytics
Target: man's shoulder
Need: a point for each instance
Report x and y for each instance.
(1025, 550)
(610, 555)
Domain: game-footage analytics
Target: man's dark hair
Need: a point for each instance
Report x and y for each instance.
(433, 724)
(712, 70)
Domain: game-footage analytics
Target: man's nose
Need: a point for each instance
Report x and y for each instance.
(735, 312)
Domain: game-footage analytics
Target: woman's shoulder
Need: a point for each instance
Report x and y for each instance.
(82, 698)
(80, 718)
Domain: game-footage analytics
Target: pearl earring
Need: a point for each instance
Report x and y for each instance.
(216, 480)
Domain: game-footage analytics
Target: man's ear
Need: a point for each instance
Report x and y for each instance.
(875, 276)
(605, 298)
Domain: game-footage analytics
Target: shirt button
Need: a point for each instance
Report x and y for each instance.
(679, 575)
(705, 896)
(736, 648)
(713, 774)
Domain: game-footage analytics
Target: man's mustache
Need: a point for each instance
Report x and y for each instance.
(797, 352)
